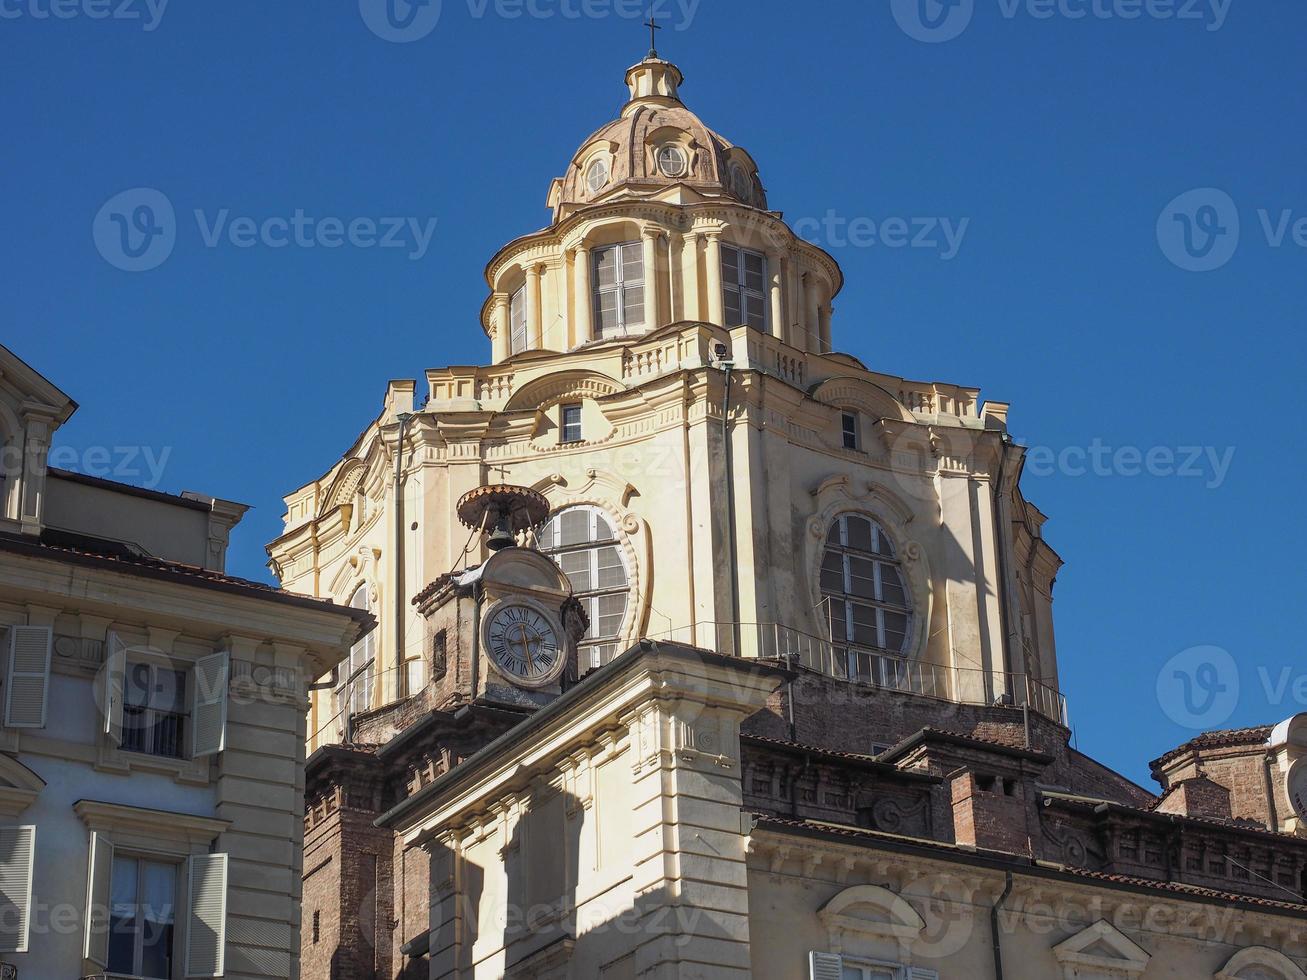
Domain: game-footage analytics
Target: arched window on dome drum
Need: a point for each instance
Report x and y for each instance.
(517, 321)
(582, 542)
(744, 287)
(867, 601)
(618, 277)
(361, 664)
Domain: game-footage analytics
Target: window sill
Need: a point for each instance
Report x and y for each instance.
(111, 758)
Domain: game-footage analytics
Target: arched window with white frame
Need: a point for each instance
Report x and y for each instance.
(357, 673)
(583, 543)
(866, 599)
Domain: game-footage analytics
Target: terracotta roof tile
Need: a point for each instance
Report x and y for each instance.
(1216, 739)
(177, 571)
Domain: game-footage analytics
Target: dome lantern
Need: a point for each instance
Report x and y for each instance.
(653, 82)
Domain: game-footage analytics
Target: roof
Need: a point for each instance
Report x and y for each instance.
(852, 758)
(178, 572)
(179, 500)
(589, 686)
(926, 735)
(1153, 814)
(1002, 861)
(1216, 739)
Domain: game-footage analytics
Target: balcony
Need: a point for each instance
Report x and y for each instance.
(960, 685)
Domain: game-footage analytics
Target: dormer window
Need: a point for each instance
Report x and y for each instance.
(618, 277)
(596, 177)
(672, 161)
(744, 278)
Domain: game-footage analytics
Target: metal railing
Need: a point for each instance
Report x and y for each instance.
(962, 685)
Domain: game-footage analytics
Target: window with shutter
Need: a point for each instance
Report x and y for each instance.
(209, 716)
(28, 685)
(115, 674)
(206, 929)
(825, 966)
(99, 879)
(17, 854)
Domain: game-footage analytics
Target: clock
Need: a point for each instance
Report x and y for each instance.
(524, 643)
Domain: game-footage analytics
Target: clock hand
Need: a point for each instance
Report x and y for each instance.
(526, 648)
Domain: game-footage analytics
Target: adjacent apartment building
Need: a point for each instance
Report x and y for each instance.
(153, 724)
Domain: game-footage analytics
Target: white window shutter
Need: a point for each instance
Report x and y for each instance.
(99, 877)
(825, 966)
(115, 676)
(209, 714)
(17, 853)
(917, 973)
(206, 930)
(28, 685)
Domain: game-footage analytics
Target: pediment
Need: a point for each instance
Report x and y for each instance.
(1103, 949)
(1260, 963)
(23, 390)
(563, 385)
(871, 400)
(874, 912)
(19, 786)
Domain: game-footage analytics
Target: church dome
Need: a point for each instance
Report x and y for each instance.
(658, 149)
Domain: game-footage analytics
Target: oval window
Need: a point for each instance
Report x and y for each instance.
(671, 161)
(597, 176)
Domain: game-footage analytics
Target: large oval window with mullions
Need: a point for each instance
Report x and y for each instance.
(863, 592)
(582, 542)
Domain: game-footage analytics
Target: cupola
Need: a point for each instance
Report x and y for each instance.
(656, 149)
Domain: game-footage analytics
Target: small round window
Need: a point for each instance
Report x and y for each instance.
(597, 176)
(671, 161)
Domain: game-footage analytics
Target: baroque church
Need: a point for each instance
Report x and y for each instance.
(706, 650)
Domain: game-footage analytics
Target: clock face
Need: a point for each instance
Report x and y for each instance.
(524, 644)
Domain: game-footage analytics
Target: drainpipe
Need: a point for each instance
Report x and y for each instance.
(732, 557)
(995, 932)
(404, 418)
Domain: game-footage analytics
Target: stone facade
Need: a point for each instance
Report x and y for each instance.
(815, 727)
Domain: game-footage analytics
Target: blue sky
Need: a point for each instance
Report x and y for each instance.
(1056, 147)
